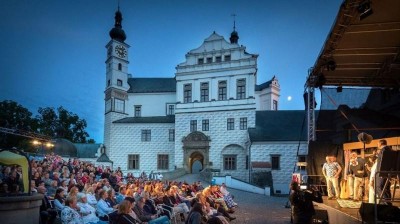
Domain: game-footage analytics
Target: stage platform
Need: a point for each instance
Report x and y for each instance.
(338, 214)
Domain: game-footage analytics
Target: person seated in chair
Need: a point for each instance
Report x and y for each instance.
(47, 214)
(150, 219)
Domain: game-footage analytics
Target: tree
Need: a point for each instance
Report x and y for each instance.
(15, 116)
(62, 124)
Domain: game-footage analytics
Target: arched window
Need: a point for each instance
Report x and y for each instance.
(119, 66)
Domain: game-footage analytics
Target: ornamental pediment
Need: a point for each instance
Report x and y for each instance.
(196, 136)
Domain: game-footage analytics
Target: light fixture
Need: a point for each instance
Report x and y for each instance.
(365, 9)
(339, 89)
(36, 142)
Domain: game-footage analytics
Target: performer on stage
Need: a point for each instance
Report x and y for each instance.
(358, 174)
(331, 171)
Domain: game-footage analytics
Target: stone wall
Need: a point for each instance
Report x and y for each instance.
(20, 209)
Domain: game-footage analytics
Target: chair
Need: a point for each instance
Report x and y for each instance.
(163, 208)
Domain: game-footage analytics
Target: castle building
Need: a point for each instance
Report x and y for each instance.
(212, 114)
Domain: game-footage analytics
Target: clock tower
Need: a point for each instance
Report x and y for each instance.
(116, 91)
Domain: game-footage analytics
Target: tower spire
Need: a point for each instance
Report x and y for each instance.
(117, 33)
(234, 35)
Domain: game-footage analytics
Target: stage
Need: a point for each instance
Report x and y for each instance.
(345, 215)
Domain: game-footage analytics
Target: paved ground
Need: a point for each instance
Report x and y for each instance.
(254, 208)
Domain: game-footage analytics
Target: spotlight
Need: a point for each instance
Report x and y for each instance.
(365, 9)
(364, 138)
(339, 89)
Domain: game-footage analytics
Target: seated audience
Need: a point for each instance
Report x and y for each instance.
(69, 213)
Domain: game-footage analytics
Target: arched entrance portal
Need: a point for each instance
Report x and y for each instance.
(196, 146)
(196, 161)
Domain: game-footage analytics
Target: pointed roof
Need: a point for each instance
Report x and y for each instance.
(104, 159)
(214, 36)
(117, 33)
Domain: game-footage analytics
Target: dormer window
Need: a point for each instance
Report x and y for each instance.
(218, 59)
(200, 61)
(209, 60)
(227, 57)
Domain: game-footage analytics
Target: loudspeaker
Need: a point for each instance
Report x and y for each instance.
(387, 213)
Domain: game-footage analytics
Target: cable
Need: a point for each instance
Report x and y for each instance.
(297, 154)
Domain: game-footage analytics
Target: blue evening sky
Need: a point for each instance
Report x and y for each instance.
(53, 52)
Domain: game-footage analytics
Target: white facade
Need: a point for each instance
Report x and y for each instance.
(214, 98)
(287, 152)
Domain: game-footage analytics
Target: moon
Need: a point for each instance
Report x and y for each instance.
(289, 98)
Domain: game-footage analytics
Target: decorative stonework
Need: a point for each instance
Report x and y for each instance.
(195, 140)
(196, 146)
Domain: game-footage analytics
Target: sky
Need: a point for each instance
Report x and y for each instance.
(53, 52)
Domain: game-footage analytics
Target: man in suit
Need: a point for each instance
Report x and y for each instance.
(385, 162)
(47, 213)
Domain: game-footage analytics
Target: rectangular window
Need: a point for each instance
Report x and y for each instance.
(187, 93)
(193, 125)
(274, 105)
(222, 90)
(170, 109)
(230, 124)
(241, 89)
(138, 111)
(247, 162)
(229, 162)
(275, 162)
(204, 90)
(227, 57)
(119, 105)
(171, 135)
(163, 162)
(200, 61)
(218, 59)
(205, 125)
(108, 82)
(146, 135)
(133, 162)
(209, 60)
(243, 123)
(119, 82)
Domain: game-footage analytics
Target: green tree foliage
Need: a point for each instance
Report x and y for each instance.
(15, 116)
(62, 124)
(58, 123)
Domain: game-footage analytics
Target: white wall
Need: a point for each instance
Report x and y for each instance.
(127, 140)
(153, 104)
(262, 151)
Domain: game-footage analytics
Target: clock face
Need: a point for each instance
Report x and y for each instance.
(120, 51)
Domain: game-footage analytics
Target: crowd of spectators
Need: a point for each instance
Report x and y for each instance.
(76, 191)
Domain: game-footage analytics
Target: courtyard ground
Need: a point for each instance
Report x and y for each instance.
(254, 208)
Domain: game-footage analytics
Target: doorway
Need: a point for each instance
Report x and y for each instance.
(196, 162)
